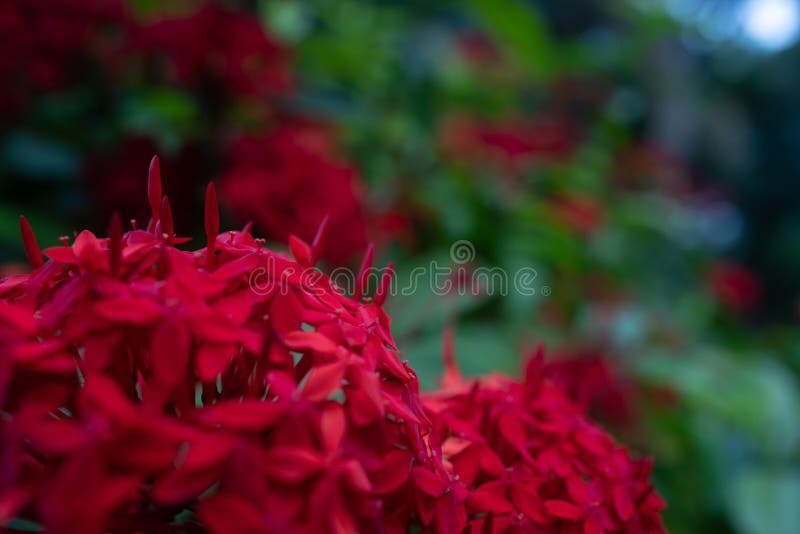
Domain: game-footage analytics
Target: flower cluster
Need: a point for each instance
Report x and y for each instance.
(218, 48)
(526, 459)
(45, 44)
(287, 180)
(155, 384)
(511, 144)
(148, 381)
(589, 377)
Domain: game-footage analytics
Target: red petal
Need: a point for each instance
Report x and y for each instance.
(361, 408)
(246, 264)
(230, 514)
(452, 517)
(89, 252)
(623, 502)
(211, 360)
(170, 351)
(394, 472)
(293, 465)
(301, 251)
(133, 310)
(430, 483)
(490, 497)
(247, 415)
(394, 406)
(167, 225)
(235, 306)
(356, 477)
(527, 501)
(181, 485)
(591, 526)
(565, 510)
(363, 273)
(304, 340)
(32, 251)
(513, 430)
(324, 380)
(333, 426)
(578, 489)
(285, 313)
(154, 189)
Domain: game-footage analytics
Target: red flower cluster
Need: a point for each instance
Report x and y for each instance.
(234, 389)
(215, 47)
(511, 143)
(524, 458)
(158, 386)
(47, 43)
(287, 180)
(590, 380)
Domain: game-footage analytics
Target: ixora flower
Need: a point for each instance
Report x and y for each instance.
(215, 47)
(513, 143)
(144, 388)
(46, 44)
(287, 180)
(526, 459)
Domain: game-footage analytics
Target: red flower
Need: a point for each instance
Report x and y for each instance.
(45, 44)
(216, 47)
(735, 286)
(222, 386)
(288, 180)
(527, 458)
(512, 143)
(234, 389)
(590, 381)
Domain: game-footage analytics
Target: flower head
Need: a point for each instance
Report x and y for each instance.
(287, 180)
(527, 459)
(214, 47)
(230, 387)
(45, 44)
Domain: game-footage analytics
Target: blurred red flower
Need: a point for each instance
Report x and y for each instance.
(734, 285)
(287, 180)
(214, 47)
(589, 379)
(512, 143)
(45, 44)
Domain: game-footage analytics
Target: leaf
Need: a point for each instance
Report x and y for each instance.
(522, 31)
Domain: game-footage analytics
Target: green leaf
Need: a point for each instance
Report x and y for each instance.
(522, 31)
(165, 114)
